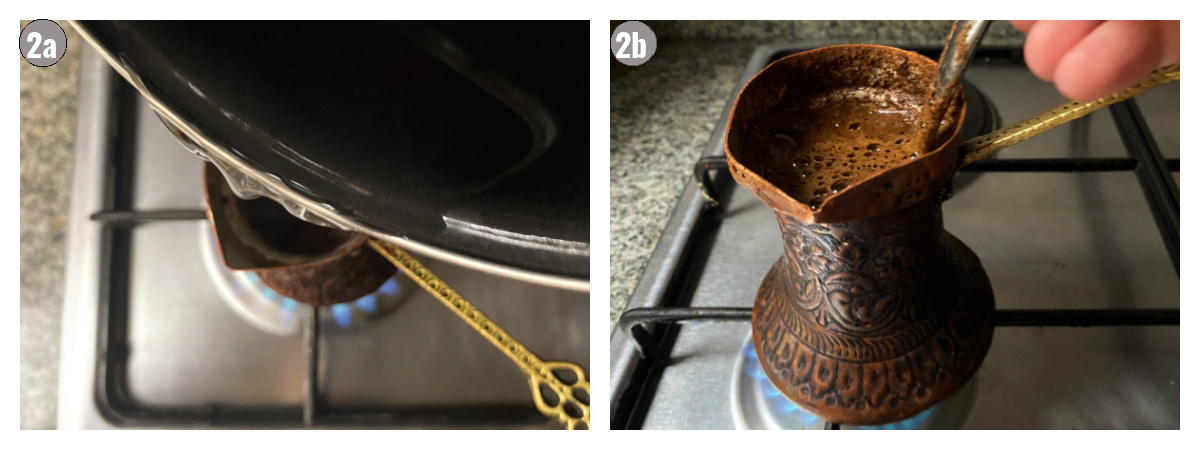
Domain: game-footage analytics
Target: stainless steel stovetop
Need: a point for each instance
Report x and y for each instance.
(1050, 238)
(151, 338)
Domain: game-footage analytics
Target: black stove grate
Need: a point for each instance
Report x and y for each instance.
(654, 343)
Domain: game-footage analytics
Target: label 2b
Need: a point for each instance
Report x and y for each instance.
(639, 46)
(633, 43)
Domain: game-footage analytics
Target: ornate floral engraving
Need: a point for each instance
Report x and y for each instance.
(872, 321)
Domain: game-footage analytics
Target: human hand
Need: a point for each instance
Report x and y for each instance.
(1090, 59)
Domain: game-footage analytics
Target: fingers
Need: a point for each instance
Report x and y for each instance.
(1048, 41)
(1170, 36)
(1091, 59)
(1023, 25)
(1115, 55)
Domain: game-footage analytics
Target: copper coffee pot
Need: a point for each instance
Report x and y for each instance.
(874, 312)
(311, 264)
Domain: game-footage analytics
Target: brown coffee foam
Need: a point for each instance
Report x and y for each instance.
(830, 118)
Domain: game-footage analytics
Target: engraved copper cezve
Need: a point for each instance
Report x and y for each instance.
(874, 312)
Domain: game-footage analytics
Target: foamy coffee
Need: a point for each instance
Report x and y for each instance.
(840, 122)
(830, 143)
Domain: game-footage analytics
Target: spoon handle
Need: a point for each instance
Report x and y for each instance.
(964, 40)
(960, 45)
(982, 146)
(565, 406)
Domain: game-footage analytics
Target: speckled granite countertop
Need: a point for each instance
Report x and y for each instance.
(663, 113)
(49, 96)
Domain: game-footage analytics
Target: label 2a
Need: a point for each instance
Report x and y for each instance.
(42, 48)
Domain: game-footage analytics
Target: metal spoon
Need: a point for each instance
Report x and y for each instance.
(964, 39)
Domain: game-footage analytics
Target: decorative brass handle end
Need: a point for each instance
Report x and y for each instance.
(567, 407)
(564, 404)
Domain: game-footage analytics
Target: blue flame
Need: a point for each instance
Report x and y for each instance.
(366, 303)
(341, 314)
(911, 423)
(749, 351)
(390, 287)
(264, 300)
(786, 406)
(288, 309)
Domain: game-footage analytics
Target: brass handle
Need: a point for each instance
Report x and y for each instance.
(982, 146)
(567, 408)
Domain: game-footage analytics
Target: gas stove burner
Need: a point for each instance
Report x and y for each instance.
(277, 314)
(758, 405)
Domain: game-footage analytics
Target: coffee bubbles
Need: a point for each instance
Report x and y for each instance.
(825, 147)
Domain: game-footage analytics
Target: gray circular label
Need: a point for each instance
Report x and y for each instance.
(43, 43)
(633, 43)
